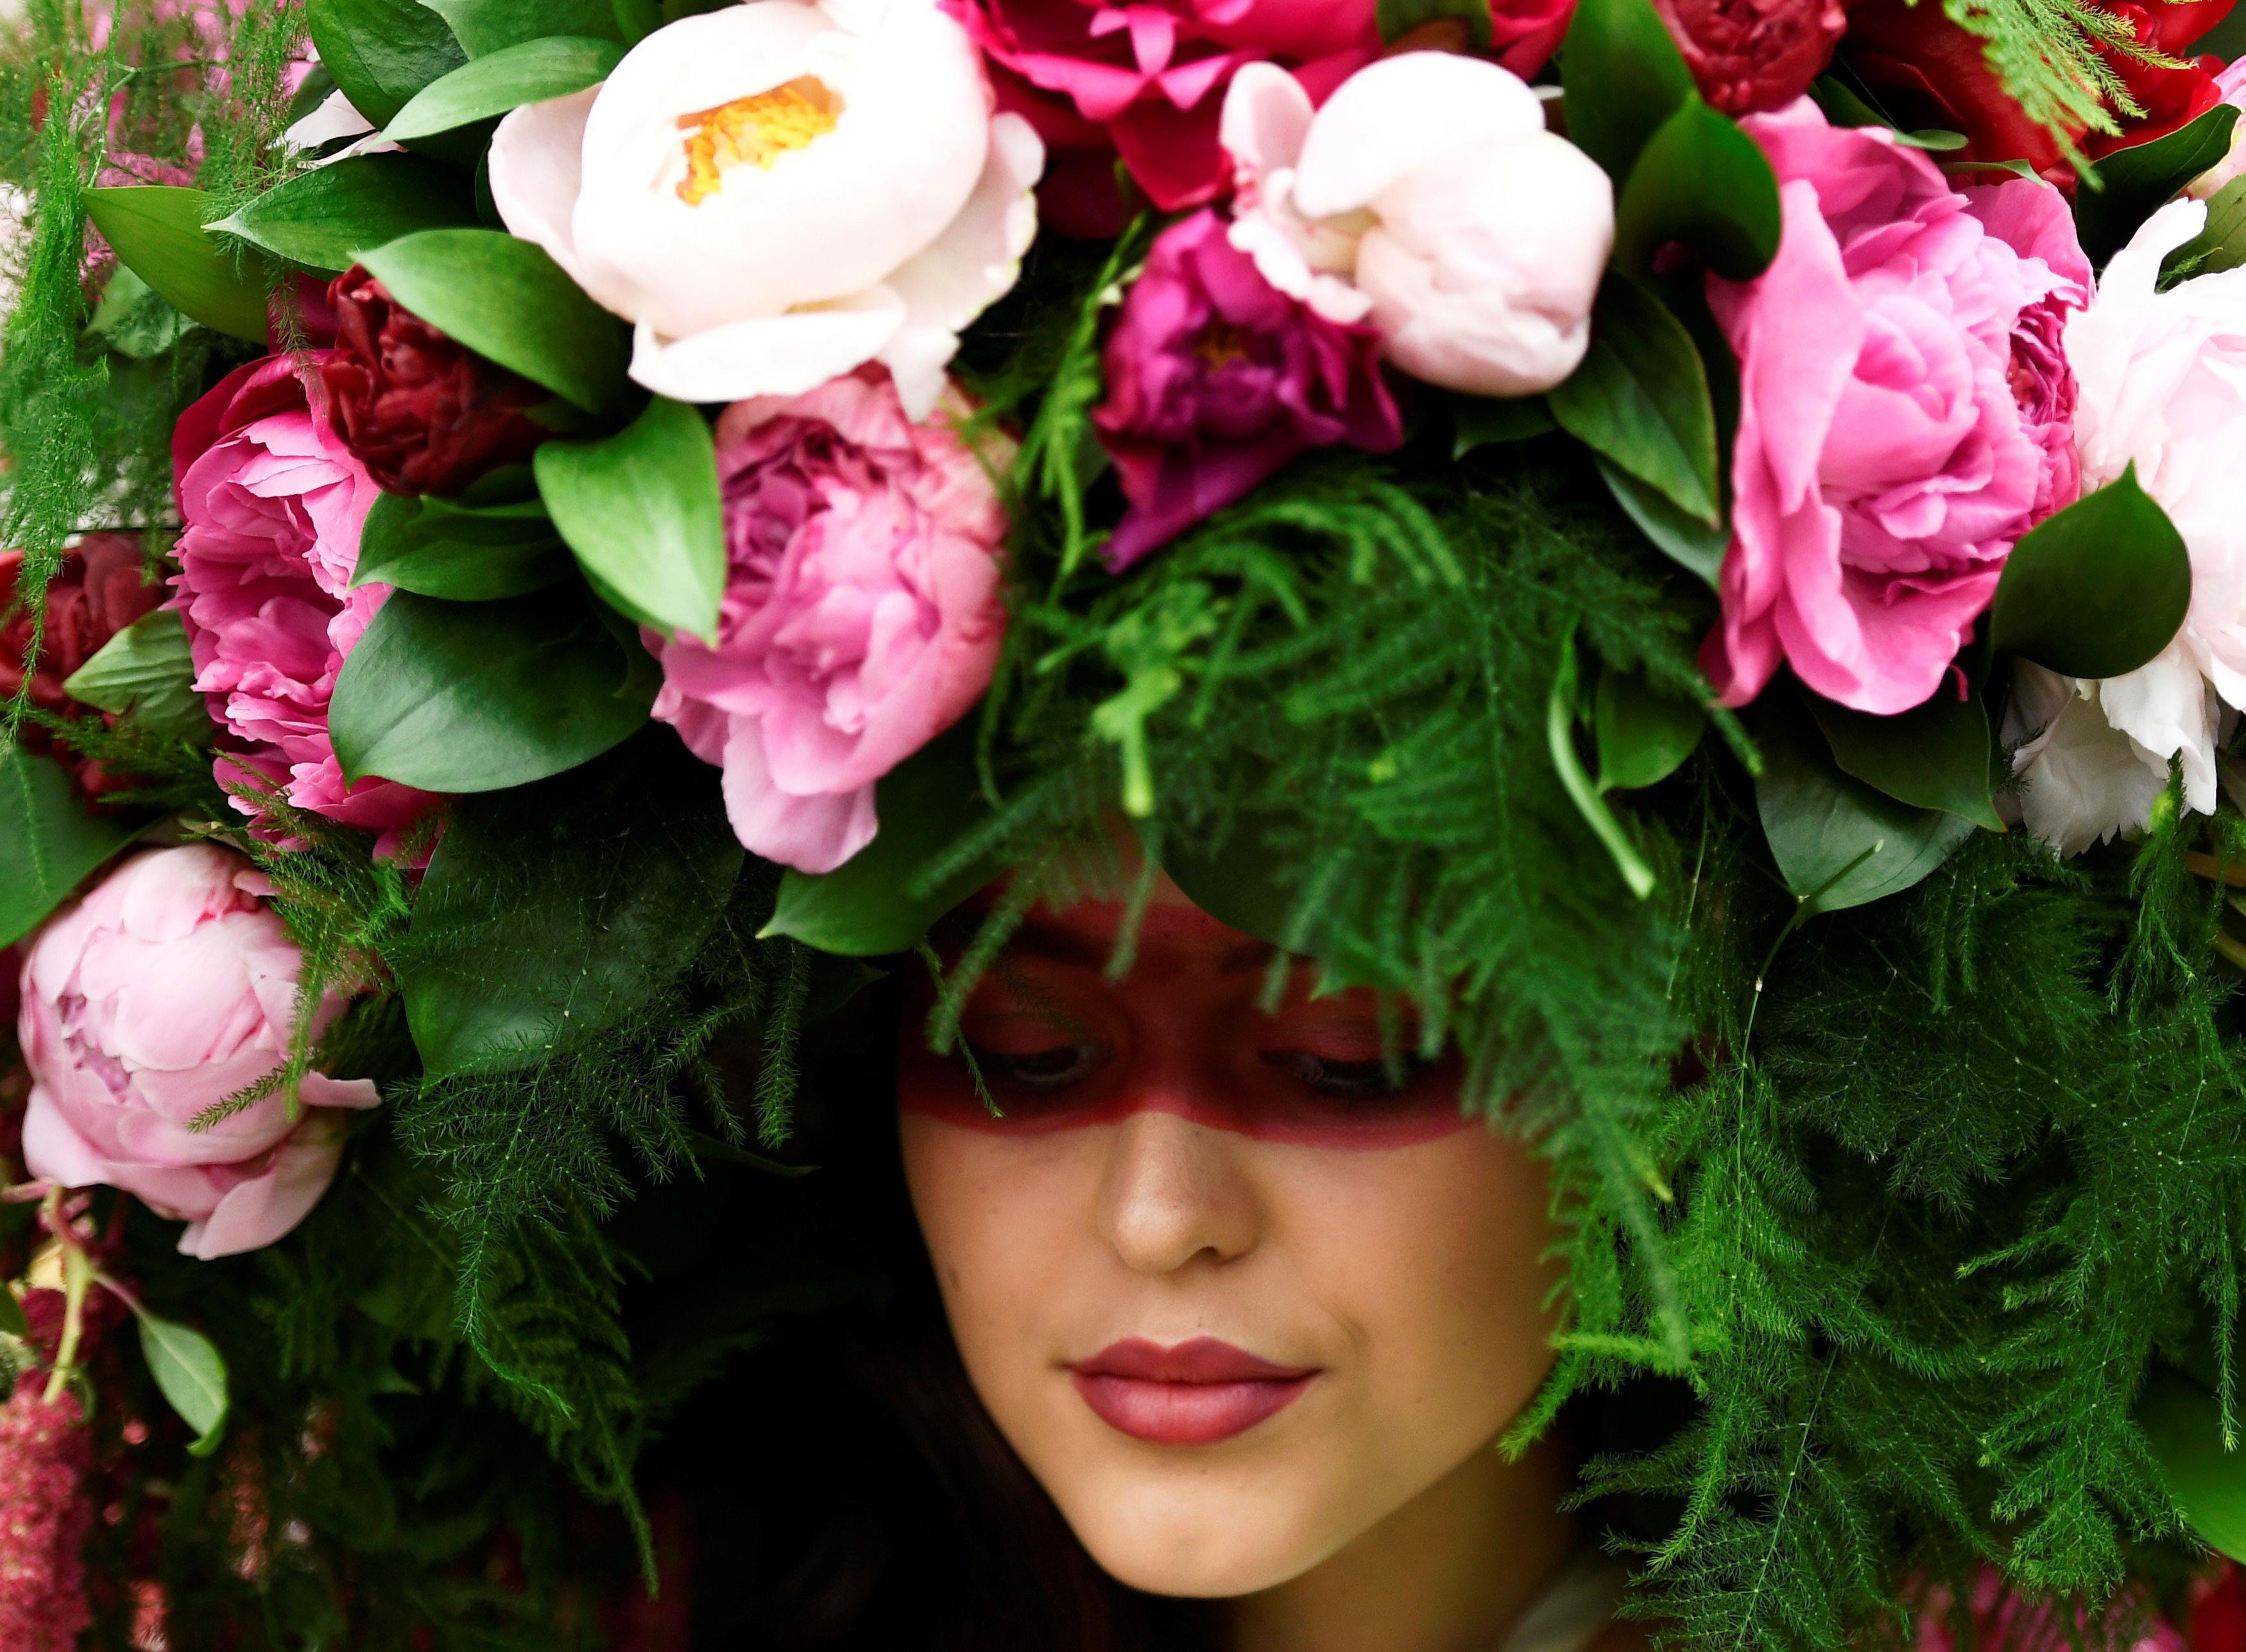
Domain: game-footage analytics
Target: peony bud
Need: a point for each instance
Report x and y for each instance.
(422, 412)
(1746, 55)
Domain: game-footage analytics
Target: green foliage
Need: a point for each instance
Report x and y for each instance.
(47, 840)
(1641, 400)
(2095, 590)
(550, 67)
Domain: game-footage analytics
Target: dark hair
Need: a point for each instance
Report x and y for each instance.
(849, 1490)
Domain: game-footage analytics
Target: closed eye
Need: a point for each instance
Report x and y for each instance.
(1038, 1072)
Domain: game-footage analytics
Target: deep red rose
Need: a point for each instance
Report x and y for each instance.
(1746, 55)
(97, 593)
(421, 411)
(1932, 73)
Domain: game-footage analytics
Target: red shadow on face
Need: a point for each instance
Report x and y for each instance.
(1060, 1046)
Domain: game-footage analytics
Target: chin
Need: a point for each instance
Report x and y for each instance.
(1203, 1533)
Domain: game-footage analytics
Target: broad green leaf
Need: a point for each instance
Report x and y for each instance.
(13, 1322)
(477, 697)
(48, 840)
(551, 911)
(191, 1372)
(2097, 589)
(482, 87)
(641, 510)
(133, 320)
(506, 299)
(382, 51)
(2220, 245)
(459, 551)
(485, 26)
(158, 234)
(2183, 1423)
(1623, 77)
(1640, 400)
(1398, 17)
(1843, 107)
(1696, 546)
(1560, 735)
(1480, 421)
(2128, 186)
(1645, 732)
(1837, 842)
(327, 217)
(872, 904)
(1933, 756)
(145, 669)
(1701, 181)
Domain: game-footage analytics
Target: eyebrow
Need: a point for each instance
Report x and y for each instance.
(1057, 942)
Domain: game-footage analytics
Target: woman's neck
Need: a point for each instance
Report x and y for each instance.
(1451, 1571)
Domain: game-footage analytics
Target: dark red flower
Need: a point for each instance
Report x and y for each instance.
(1932, 72)
(1215, 379)
(421, 411)
(97, 593)
(1746, 55)
(45, 1514)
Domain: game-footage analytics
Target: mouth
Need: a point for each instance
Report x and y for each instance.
(1195, 1394)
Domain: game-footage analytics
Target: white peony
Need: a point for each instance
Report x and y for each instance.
(2162, 383)
(777, 192)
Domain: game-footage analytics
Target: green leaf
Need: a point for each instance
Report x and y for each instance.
(1624, 77)
(459, 551)
(2183, 1423)
(641, 510)
(327, 217)
(2095, 590)
(2128, 186)
(157, 233)
(1696, 546)
(867, 905)
(551, 911)
(1480, 421)
(485, 26)
(1837, 842)
(529, 72)
(506, 299)
(477, 697)
(1645, 732)
(48, 840)
(382, 51)
(191, 1372)
(133, 320)
(1844, 108)
(1560, 736)
(13, 1322)
(1702, 181)
(2220, 245)
(1640, 400)
(1398, 17)
(1933, 756)
(145, 669)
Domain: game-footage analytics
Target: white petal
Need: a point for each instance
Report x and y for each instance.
(774, 356)
(1267, 115)
(2082, 781)
(972, 263)
(2166, 707)
(1396, 116)
(536, 169)
(334, 119)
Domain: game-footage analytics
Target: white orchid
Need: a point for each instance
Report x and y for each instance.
(777, 192)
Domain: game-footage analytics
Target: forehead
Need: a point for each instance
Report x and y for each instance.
(1173, 936)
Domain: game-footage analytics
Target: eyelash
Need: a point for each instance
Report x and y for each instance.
(1048, 1072)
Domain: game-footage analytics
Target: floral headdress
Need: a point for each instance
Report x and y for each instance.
(1704, 549)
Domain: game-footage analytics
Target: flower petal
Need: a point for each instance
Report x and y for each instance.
(1400, 114)
(783, 355)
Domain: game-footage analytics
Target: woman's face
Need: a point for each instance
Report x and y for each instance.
(1232, 1297)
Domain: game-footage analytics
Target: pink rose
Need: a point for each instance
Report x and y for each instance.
(163, 990)
(1904, 413)
(861, 616)
(272, 504)
(1145, 82)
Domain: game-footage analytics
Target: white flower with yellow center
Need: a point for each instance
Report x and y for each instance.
(777, 192)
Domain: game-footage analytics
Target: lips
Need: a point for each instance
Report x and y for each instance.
(1195, 1394)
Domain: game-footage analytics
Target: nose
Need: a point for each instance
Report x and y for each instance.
(1175, 1192)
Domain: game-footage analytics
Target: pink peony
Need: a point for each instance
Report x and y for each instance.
(1145, 82)
(1215, 379)
(163, 990)
(861, 615)
(1904, 413)
(272, 504)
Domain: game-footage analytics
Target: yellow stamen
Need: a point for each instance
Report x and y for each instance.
(760, 128)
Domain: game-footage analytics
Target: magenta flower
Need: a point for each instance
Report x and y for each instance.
(1215, 379)
(861, 615)
(273, 503)
(1905, 414)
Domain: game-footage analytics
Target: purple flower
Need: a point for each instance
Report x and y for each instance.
(1215, 379)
